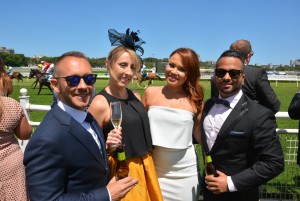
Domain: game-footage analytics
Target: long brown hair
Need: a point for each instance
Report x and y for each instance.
(191, 86)
(2, 66)
(0, 107)
(6, 86)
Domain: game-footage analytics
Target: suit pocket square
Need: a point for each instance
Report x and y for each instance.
(237, 133)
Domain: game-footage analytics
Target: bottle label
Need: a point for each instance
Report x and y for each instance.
(208, 159)
(121, 156)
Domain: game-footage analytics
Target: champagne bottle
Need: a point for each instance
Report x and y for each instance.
(122, 166)
(209, 167)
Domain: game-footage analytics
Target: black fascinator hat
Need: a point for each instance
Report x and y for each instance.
(129, 39)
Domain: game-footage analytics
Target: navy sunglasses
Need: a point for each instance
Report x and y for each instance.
(74, 80)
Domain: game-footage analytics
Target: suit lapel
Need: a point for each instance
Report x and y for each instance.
(236, 114)
(85, 138)
(77, 131)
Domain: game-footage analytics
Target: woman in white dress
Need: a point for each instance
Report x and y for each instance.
(174, 112)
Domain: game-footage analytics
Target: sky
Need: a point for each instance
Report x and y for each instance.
(51, 28)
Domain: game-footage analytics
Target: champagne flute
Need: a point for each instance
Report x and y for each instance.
(116, 115)
(122, 169)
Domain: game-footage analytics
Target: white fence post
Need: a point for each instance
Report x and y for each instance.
(24, 100)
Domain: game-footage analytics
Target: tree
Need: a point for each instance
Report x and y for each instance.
(97, 62)
(47, 59)
(14, 59)
(150, 59)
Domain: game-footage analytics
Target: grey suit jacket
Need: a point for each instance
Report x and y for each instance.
(294, 113)
(247, 148)
(63, 162)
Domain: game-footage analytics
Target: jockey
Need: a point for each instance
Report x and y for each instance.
(153, 70)
(143, 72)
(9, 71)
(45, 66)
(49, 71)
(40, 66)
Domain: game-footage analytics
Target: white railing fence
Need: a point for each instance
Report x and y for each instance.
(25, 103)
(27, 107)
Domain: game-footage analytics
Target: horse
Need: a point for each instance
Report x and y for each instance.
(17, 76)
(32, 74)
(40, 78)
(150, 76)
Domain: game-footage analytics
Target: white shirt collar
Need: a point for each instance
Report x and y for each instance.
(78, 115)
(233, 100)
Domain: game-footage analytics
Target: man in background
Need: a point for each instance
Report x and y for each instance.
(294, 113)
(256, 86)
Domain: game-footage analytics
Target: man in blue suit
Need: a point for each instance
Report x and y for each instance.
(65, 158)
(240, 135)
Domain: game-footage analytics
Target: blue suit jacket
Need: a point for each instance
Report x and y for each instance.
(63, 162)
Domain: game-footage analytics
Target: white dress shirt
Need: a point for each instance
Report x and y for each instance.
(214, 121)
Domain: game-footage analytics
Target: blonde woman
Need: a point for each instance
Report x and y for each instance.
(122, 64)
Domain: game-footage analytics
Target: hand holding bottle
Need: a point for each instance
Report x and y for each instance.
(119, 188)
(217, 184)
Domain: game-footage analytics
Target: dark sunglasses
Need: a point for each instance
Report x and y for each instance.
(74, 80)
(234, 74)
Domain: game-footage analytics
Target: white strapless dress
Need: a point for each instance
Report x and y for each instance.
(174, 154)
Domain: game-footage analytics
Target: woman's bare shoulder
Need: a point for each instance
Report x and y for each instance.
(153, 89)
(99, 103)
